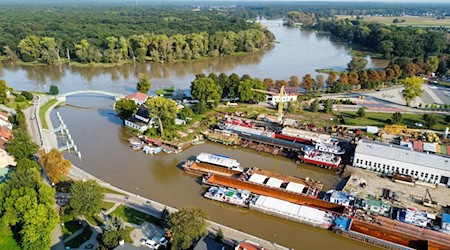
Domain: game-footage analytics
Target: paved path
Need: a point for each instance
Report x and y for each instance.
(139, 203)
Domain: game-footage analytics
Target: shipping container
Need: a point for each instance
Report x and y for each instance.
(438, 149)
(430, 147)
(418, 146)
(443, 150)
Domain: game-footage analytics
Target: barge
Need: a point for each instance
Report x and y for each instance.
(219, 160)
(200, 169)
(291, 211)
(306, 186)
(278, 193)
(222, 136)
(231, 196)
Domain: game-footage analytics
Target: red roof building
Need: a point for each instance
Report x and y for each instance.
(5, 133)
(138, 97)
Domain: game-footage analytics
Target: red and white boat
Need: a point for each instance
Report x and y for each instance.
(321, 159)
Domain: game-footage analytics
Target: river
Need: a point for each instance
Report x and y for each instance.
(297, 52)
(107, 155)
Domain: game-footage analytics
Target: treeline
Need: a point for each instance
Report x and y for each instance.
(113, 33)
(329, 9)
(390, 41)
(146, 47)
(209, 90)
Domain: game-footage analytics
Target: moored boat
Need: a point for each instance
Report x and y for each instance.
(292, 211)
(219, 160)
(330, 146)
(200, 169)
(229, 195)
(151, 150)
(321, 159)
(222, 136)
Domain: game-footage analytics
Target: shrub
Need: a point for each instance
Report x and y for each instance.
(27, 95)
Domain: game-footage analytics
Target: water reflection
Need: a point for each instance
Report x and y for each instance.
(297, 52)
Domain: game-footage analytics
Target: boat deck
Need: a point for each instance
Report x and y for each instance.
(204, 168)
(314, 187)
(401, 233)
(219, 180)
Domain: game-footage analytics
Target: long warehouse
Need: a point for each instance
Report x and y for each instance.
(388, 158)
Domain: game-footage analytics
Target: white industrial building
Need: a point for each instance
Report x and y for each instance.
(388, 158)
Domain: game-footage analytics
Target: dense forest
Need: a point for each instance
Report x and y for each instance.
(113, 34)
(391, 41)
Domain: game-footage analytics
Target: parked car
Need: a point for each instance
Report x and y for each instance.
(163, 241)
(418, 124)
(152, 244)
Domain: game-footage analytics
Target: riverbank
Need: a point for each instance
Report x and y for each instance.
(79, 174)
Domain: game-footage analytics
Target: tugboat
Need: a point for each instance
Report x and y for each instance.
(321, 159)
(330, 146)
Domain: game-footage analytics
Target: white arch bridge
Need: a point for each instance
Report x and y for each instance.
(62, 97)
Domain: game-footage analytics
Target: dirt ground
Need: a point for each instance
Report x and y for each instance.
(375, 184)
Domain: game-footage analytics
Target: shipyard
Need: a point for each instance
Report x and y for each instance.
(201, 125)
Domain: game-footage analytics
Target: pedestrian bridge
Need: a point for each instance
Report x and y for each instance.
(62, 97)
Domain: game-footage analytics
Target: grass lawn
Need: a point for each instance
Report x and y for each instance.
(107, 205)
(70, 226)
(419, 21)
(79, 239)
(7, 240)
(379, 120)
(94, 220)
(133, 216)
(43, 110)
(110, 191)
(14, 105)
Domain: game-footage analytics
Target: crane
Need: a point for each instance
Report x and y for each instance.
(281, 102)
(428, 201)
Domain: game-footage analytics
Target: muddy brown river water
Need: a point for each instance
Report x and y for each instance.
(107, 155)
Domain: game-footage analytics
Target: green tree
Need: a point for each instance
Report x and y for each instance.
(165, 109)
(54, 90)
(26, 203)
(328, 106)
(165, 218)
(219, 236)
(21, 146)
(187, 225)
(3, 92)
(447, 119)
(433, 64)
(27, 95)
(396, 118)
(315, 105)
(54, 164)
(361, 113)
(185, 113)
(205, 90)
(20, 120)
(357, 63)
(86, 198)
(430, 120)
(125, 108)
(29, 48)
(144, 84)
(412, 88)
(319, 83)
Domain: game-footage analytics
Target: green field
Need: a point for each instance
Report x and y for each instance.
(133, 216)
(418, 21)
(110, 191)
(7, 239)
(43, 111)
(379, 120)
(107, 205)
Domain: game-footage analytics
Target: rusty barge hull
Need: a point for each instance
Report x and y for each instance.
(402, 234)
(200, 169)
(219, 180)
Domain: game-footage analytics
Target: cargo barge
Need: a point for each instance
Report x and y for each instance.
(265, 190)
(291, 211)
(200, 169)
(306, 186)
